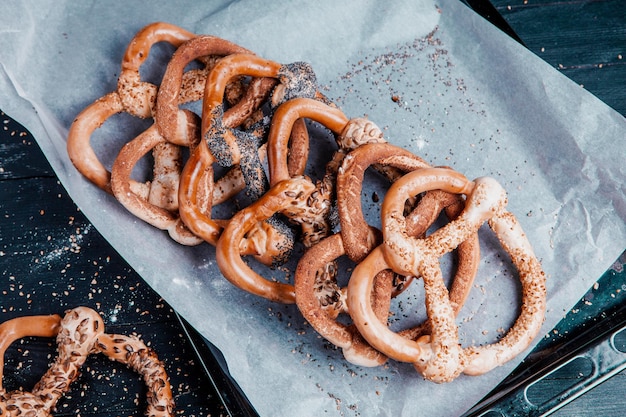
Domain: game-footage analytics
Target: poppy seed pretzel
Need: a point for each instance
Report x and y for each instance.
(78, 334)
(225, 144)
(439, 356)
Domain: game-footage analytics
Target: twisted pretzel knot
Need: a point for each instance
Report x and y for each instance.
(79, 334)
(133, 96)
(439, 356)
(321, 300)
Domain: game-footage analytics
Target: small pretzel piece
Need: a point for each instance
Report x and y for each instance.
(78, 334)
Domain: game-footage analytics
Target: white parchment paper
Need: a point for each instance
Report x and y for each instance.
(464, 95)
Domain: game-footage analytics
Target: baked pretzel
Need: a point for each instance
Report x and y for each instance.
(158, 204)
(241, 111)
(349, 133)
(292, 198)
(439, 356)
(321, 300)
(133, 96)
(224, 145)
(295, 80)
(78, 334)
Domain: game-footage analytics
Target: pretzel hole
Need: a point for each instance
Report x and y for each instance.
(114, 133)
(321, 142)
(104, 385)
(504, 276)
(153, 68)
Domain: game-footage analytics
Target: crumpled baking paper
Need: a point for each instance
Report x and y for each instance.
(436, 77)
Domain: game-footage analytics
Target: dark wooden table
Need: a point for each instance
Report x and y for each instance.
(52, 258)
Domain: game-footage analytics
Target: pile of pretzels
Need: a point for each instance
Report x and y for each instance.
(251, 138)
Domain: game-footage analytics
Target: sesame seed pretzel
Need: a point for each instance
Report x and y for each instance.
(249, 146)
(439, 357)
(78, 334)
(321, 300)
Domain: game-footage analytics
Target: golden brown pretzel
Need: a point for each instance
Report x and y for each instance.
(354, 228)
(169, 119)
(158, 204)
(350, 133)
(321, 300)
(216, 130)
(139, 97)
(293, 198)
(78, 334)
(132, 95)
(220, 143)
(439, 356)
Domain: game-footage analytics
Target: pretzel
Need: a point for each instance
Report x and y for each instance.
(220, 144)
(78, 334)
(296, 80)
(350, 133)
(354, 228)
(320, 300)
(289, 197)
(158, 205)
(169, 119)
(133, 96)
(418, 221)
(439, 356)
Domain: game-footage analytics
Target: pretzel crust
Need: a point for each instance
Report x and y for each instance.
(78, 334)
